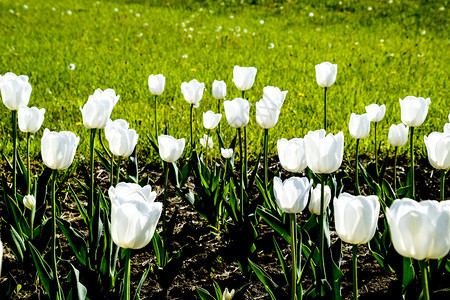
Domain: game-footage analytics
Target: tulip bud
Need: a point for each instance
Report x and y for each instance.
(134, 215)
(170, 149)
(29, 202)
(420, 230)
(315, 202)
(211, 120)
(193, 92)
(356, 217)
(292, 194)
(414, 110)
(292, 154)
(326, 74)
(227, 295)
(359, 126)
(237, 112)
(207, 141)
(96, 113)
(398, 135)
(156, 84)
(267, 113)
(274, 94)
(15, 90)
(226, 153)
(324, 153)
(438, 149)
(30, 119)
(122, 140)
(219, 89)
(244, 77)
(375, 112)
(58, 148)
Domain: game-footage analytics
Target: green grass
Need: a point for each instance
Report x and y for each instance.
(108, 52)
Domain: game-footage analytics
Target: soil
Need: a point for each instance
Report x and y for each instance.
(206, 256)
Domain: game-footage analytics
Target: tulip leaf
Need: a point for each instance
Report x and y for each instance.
(133, 168)
(274, 222)
(408, 273)
(204, 294)
(141, 282)
(153, 142)
(75, 239)
(265, 279)
(19, 242)
(283, 264)
(41, 194)
(80, 206)
(106, 162)
(254, 172)
(43, 270)
(95, 225)
(79, 291)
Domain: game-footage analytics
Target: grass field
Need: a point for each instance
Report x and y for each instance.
(384, 51)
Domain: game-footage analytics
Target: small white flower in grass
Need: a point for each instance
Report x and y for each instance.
(423, 32)
(311, 14)
(261, 22)
(356, 43)
(226, 153)
(369, 8)
(25, 6)
(72, 67)
(184, 56)
(29, 202)
(116, 9)
(140, 34)
(145, 24)
(53, 8)
(207, 142)
(271, 46)
(441, 8)
(11, 11)
(138, 15)
(231, 17)
(381, 41)
(69, 12)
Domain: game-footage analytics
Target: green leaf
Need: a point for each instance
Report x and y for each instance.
(43, 269)
(80, 206)
(204, 294)
(133, 168)
(75, 239)
(265, 279)
(408, 273)
(283, 264)
(274, 222)
(141, 282)
(79, 291)
(105, 161)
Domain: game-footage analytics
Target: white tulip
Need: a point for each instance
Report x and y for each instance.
(292, 194)
(193, 92)
(414, 110)
(359, 126)
(244, 77)
(291, 154)
(170, 149)
(226, 153)
(207, 141)
(324, 153)
(315, 201)
(326, 74)
(398, 135)
(376, 112)
(211, 120)
(237, 112)
(15, 90)
(156, 84)
(29, 202)
(122, 140)
(438, 149)
(219, 89)
(58, 148)
(30, 119)
(267, 113)
(274, 94)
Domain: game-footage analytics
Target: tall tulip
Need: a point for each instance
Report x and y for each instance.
(438, 150)
(315, 200)
(325, 76)
(356, 221)
(193, 93)
(413, 112)
(274, 94)
(16, 92)
(292, 196)
(244, 77)
(291, 154)
(211, 120)
(397, 137)
(219, 91)
(359, 128)
(156, 85)
(420, 230)
(375, 114)
(58, 151)
(134, 216)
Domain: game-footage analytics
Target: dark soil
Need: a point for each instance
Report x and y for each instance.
(206, 257)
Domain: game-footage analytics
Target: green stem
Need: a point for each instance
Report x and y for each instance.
(156, 118)
(294, 256)
(355, 271)
(102, 144)
(411, 149)
(218, 111)
(356, 168)
(28, 165)
(322, 274)
(33, 212)
(112, 170)
(442, 184)
(245, 156)
(266, 167)
(54, 265)
(325, 109)
(395, 170)
(423, 269)
(119, 160)
(207, 148)
(241, 194)
(192, 135)
(166, 181)
(126, 277)
(91, 188)
(376, 152)
(14, 135)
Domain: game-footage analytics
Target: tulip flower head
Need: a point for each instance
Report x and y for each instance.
(156, 84)
(122, 140)
(398, 135)
(292, 194)
(324, 152)
(267, 113)
(193, 91)
(108, 94)
(207, 142)
(326, 74)
(314, 202)
(226, 153)
(375, 112)
(237, 112)
(227, 295)
(414, 110)
(291, 154)
(15, 90)
(244, 77)
(97, 110)
(359, 126)
(219, 89)
(356, 217)
(211, 120)
(274, 94)
(438, 149)
(134, 215)
(58, 148)
(29, 202)
(30, 119)
(170, 149)
(420, 230)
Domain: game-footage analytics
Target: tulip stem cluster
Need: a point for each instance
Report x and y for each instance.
(294, 255)
(28, 165)
(411, 148)
(423, 269)
(356, 168)
(14, 135)
(355, 271)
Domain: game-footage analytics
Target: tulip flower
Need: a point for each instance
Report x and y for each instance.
(219, 89)
(211, 120)
(156, 86)
(325, 77)
(356, 221)
(134, 216)
(274, 94)
(207, 142)
(226, 153)
(170, 149)
(438, 150)
(375, 114)
(420, 230)
(96, 112)
(227, 295)
(267, 113)
(359, 128)
(397, 137)
(447, 128)
(237, 112)
(29, 201)
(413, 112)
(192, 92)
(30, 119)
(314, 202)
(291, 154)
(292, 196)
(244, 77)
(122, 140)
